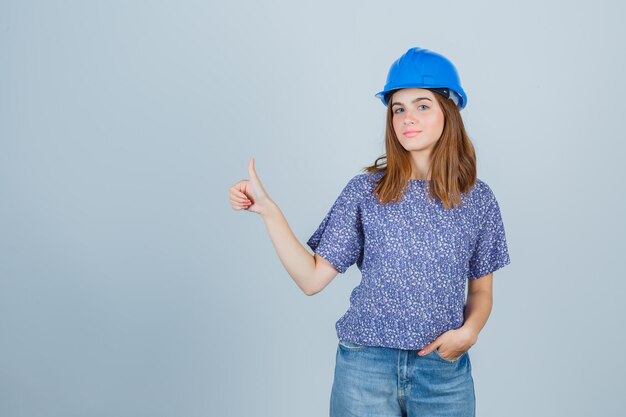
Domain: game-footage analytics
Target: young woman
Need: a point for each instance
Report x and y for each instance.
(419, 227)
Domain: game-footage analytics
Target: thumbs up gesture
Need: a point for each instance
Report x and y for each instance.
(249, 194)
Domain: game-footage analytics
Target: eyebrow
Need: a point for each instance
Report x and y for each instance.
(414, 101)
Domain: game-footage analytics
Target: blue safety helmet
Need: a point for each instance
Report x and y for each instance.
(421, 68)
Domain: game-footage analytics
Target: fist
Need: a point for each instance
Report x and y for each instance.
(249, 194)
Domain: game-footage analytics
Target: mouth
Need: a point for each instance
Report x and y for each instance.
(411, 133)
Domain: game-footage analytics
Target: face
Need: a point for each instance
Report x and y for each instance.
(417, 119)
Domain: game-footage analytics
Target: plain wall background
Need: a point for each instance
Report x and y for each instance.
(129, 287)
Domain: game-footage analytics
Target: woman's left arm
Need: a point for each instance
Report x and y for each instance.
(479, 302)
(477, 310)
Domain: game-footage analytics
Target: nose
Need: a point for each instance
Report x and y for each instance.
(409, 118)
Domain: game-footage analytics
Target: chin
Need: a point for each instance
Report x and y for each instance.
(417, 148)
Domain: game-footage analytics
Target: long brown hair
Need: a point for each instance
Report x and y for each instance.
(452, 165)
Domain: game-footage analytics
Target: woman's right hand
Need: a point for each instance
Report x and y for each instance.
(249, 194)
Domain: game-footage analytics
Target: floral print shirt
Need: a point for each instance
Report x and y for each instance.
(415, 259)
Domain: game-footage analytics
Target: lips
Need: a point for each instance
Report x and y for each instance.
(411, 133)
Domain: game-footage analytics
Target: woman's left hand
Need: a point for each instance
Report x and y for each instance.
(451, 344)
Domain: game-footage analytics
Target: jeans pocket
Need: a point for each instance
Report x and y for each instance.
(448, 360)
(350, 346)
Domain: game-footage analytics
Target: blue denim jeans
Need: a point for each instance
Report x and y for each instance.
(379, 381)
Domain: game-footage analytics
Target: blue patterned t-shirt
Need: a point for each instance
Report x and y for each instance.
(415, 258)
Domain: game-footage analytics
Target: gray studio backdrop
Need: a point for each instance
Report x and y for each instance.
(129, 287)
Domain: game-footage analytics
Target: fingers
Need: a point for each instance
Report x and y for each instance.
(427, 349)
(238, 196)
(236, 205)
(242, 207)
(238, 199)
(239, 202)
(236, 193)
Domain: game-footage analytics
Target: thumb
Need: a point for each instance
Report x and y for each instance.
(254, 177)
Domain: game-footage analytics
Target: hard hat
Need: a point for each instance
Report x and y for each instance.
(421, 68)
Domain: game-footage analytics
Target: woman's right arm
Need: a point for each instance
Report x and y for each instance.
(311, 273)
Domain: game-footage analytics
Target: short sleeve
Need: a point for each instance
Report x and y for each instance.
(339, 237)
(490, 252)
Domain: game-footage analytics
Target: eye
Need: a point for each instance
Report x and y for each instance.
(400, 108)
